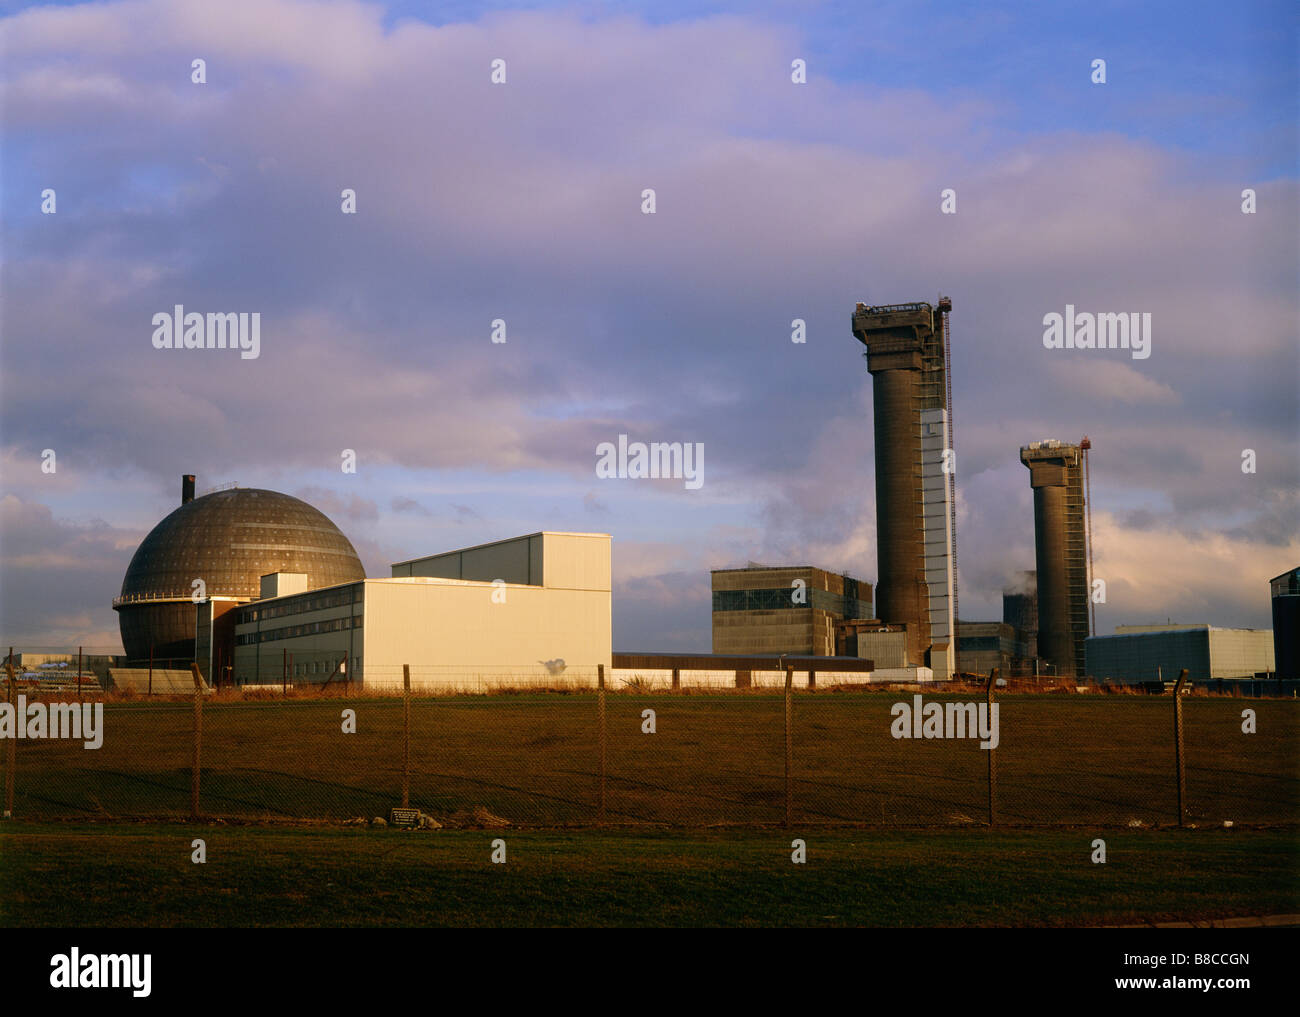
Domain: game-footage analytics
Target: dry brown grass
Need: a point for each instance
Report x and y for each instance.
(966, 685)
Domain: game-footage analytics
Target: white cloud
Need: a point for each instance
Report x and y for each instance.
(1088, 373)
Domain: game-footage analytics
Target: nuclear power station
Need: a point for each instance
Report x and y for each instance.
(261, 588)
(1056, 473)
(257, 587)
(212, 550)
(908, 357)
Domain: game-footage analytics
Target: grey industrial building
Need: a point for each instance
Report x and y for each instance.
(875, 640)
(1285, 592)
(1020, 611)
(1010, 645)
(772, 609)
(907, 356)
(982, 646)
(1155, 652)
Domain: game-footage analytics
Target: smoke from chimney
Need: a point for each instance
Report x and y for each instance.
(1023, 583)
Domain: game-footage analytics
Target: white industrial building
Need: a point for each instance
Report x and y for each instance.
(534, 609)
(1155, 652)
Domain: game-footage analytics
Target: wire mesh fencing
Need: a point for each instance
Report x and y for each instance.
(640, 753)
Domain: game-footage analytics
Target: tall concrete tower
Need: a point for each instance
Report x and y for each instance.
(915, 539)
(1060, 547)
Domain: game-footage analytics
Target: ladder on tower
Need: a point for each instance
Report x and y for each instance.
(952, 477)
(1085, 446)
(1076, 561)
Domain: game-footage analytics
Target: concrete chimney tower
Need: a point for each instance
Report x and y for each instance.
(187, 488)
(1060, 548)
(907, 358)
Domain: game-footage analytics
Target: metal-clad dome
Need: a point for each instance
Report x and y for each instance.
(229, 539)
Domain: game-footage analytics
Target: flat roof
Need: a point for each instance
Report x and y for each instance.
(505, 540)
(786, 568)
(1160, 630)
(446, 581)
(1291, 574)
(731, 662)
(767, 568)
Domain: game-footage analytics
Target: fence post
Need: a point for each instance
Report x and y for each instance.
(789, 743)
(600, 711)
(406, 736)
(1178, 742)
(195, 763)
(993, 763)
(11, 750)
(151, 669)
(677, 679)
(78, 672)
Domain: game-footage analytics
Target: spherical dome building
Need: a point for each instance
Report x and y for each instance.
(229, 539)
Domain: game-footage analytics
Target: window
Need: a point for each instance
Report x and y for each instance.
(754, 600)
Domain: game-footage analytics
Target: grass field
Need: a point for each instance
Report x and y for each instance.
(715, 759)
(113, 875)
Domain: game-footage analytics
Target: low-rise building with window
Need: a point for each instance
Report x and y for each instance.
(531, 610)
(763, 609)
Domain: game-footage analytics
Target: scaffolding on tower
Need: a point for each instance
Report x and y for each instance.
(1085, 445)
(945, 304)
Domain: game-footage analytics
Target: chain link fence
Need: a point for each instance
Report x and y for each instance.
(641, 753)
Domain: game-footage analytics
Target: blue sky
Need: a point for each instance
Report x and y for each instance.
(521, 202)
(1177, 65)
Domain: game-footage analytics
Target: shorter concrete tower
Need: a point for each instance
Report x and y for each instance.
(1020, 611)
(1061, 551)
